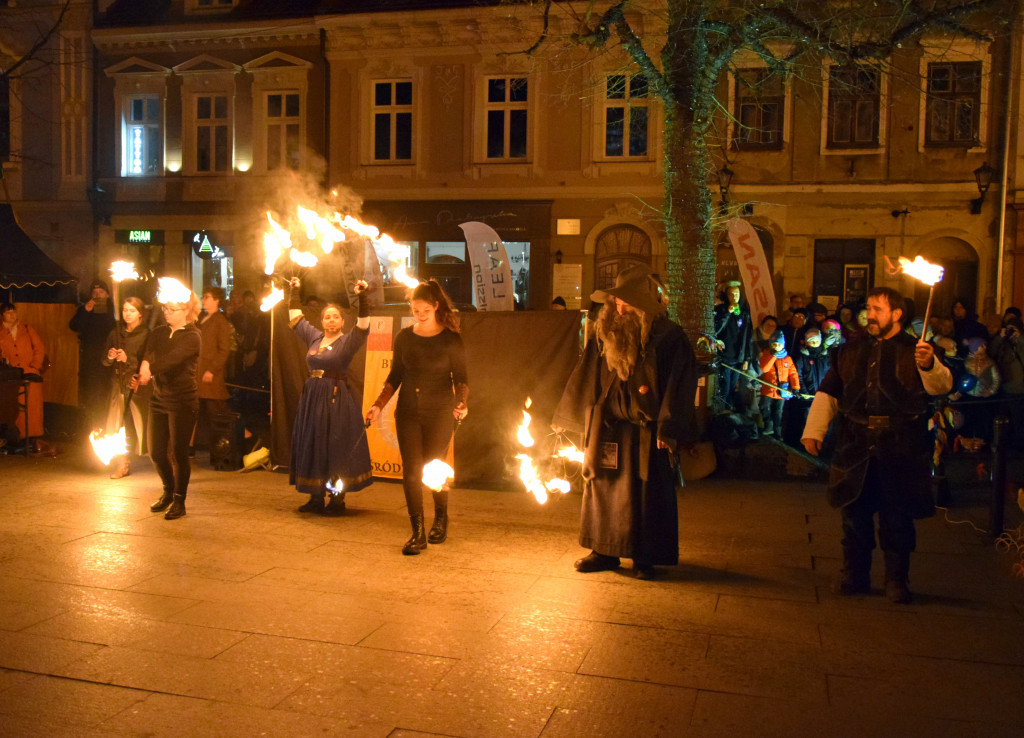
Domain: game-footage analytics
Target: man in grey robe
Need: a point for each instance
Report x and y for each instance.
(632, 396)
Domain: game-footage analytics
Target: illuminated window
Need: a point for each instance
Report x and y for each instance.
(626, 116)
(505, 110)
(392, 121)
(142, 139)
(284, 130)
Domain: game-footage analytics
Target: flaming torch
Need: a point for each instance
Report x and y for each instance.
(171, 290)
(436, 474)
(929, 274)
(528, 473)
(120, 271)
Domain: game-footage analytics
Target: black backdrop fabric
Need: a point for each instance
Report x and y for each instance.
(509, 356)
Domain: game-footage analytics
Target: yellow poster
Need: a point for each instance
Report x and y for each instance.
(380, 436)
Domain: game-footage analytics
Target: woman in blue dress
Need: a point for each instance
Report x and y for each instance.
(330, 455)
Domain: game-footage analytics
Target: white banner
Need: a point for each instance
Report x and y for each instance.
(754, 271)
(492, 275)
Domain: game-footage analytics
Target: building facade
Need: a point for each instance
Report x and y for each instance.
(206, 111)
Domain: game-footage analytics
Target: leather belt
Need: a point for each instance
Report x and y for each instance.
(321, 374)
(881, 422)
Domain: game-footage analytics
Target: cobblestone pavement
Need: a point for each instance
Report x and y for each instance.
(247, 618)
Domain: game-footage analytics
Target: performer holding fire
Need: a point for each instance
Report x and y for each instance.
(329, 449)
(632, 395)
(169, 361)
(429, 364)
(129, 402)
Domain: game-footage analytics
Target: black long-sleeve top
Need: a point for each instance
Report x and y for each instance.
(173, 359)
(429, 366)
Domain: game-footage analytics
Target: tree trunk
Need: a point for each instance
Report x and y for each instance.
(687, 212)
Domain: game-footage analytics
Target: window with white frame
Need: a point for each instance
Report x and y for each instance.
(283, 126)
(505, 111)
(392, 112)
(626, 116)
(854, 96)
(760, 98)
(953, 106)
(142, 137)
(213, 139)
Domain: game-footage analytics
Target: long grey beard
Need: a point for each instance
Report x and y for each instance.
(620, 342)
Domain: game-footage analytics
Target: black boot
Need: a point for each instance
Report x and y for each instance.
(855, 576)
(897, 581)
(418, 541)
(162, 504)
(177, 508)
(315, 504)
(335, 505)
(439, 530)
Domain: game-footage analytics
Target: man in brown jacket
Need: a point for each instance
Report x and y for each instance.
(218, 338)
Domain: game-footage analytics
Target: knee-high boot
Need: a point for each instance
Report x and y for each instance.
(418, 541)
(439, 530)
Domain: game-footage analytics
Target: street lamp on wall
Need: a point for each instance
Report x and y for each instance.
(983, 175)
(725, 175)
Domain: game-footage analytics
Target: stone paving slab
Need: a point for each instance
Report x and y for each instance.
(247, 618)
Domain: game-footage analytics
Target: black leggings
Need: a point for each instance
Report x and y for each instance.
(169, 434)
(423, 435)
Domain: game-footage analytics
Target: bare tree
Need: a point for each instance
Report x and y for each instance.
(26, 46)
(698, 42)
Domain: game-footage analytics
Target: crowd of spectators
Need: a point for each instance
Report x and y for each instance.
(791, 353)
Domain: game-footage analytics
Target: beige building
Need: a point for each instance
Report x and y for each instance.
(432, 120)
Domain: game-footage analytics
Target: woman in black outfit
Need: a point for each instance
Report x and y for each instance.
(129, 402)
(429, 364)
(170, 361)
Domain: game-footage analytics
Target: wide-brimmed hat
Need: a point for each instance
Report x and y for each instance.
(635, 287)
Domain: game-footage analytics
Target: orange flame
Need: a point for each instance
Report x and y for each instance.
(436, 473)
(122, 270)
(107, 447)
(570, 453)
(528, 473)
(171, 290)
(275, 296)
(922, 270)
(326, 231)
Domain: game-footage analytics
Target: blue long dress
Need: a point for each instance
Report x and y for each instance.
(328, 438)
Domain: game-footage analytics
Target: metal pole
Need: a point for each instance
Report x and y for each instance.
(1000, 428)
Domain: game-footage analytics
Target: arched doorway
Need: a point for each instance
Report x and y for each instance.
(960, 280)
(617, 248)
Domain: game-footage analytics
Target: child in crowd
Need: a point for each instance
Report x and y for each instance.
(778, 369)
